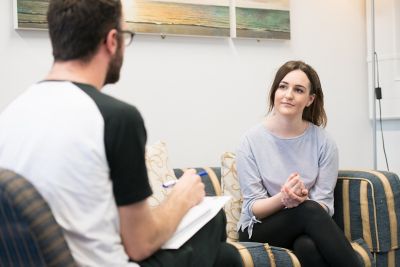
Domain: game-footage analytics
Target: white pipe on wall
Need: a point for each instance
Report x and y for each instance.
(373, 83)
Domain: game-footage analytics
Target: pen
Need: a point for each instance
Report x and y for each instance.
(171, 183)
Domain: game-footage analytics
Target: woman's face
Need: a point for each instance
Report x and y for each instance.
(293, 94)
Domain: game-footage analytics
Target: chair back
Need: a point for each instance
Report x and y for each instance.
(231, 187)
(29, 234)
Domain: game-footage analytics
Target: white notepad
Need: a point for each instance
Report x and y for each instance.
(195, 219)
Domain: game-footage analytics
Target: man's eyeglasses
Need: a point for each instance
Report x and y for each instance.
(128, 36)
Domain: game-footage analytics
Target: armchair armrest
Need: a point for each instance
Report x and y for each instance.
(367, 206)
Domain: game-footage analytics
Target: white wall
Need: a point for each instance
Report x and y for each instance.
(387, 46)
(200, 94)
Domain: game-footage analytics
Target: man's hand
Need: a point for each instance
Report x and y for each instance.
(190, 188)
(145, 229)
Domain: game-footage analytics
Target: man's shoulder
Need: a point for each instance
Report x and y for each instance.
(116, 106)
(111, 107)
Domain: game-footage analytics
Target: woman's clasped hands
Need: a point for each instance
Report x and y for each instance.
(293, 192)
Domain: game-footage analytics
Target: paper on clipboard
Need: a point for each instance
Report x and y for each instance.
(195, 219)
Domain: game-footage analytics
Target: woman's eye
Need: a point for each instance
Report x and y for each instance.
(299, 90)
(282, 86)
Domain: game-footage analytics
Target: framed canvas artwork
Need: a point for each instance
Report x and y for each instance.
(254, 18)
(262, 19)
(178, 17)
(30, 14)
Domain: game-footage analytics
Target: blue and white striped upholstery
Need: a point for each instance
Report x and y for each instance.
(367, 206)
(29, 235)
(264, 255)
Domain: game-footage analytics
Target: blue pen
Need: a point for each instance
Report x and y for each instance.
(171, 183)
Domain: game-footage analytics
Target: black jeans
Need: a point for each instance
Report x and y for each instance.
(310, 232)
(207, 248)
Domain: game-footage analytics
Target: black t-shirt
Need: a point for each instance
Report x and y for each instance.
(125, 140)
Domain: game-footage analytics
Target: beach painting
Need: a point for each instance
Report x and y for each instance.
(254, 18)
(262, 19)
(178, 17)
(30, 14)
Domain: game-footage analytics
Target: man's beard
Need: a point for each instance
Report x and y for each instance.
(114, 68)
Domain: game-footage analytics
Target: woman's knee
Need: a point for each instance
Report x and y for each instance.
(313, 214)
(311, 207)
(304, 243)
(307, 252)
(311, 204)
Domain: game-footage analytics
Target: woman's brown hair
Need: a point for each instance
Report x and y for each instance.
(314, 113)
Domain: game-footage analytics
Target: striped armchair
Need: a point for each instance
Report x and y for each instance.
(253, 254)
(367, 207)
(29, 235)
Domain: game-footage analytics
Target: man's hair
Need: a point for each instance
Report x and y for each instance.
(315, 113)
(77, 27)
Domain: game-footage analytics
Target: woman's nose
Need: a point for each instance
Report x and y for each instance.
(289, 93)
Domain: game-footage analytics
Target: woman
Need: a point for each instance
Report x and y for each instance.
(287, 168)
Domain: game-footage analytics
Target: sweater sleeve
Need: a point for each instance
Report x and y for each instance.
(250, 182)
(324, 186)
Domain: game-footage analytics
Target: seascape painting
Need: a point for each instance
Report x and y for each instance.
(30, 14)
(254, 18)
(179, 17)
(263, 19)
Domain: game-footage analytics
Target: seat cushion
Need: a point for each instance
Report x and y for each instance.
(264, 255)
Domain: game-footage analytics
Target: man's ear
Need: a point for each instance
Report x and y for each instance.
(111, 41)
